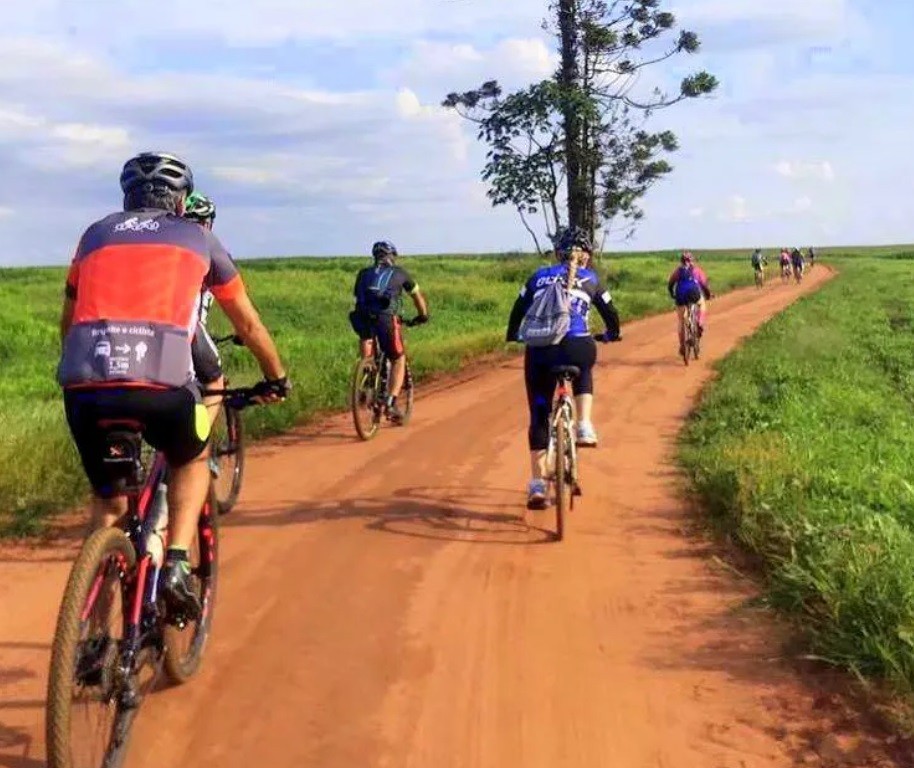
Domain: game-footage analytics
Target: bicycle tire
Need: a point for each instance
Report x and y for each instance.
(182, 667)
(563, 479)
(234, 426)
(97, 548)
(408, 393)
(364, 367)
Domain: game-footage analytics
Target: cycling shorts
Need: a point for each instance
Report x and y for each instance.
(174, 421)
(386, 327)
(688, 294)
(205, 356)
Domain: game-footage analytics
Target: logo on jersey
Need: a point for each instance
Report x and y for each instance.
(136, 224)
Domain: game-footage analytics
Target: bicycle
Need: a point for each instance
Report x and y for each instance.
(117, 661)
(369, 389)
(229, 448)
(786, 273)
(759, 277)
(562, 451)
(691, 342)
(798, 273)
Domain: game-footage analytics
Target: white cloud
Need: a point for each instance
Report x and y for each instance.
(802, 204)
(736, 209)
(696, 213)
(805, 170)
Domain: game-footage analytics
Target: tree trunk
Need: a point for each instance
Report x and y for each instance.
(569, 79)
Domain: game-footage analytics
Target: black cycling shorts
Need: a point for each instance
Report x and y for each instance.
(174, 421)
(205, 355)
(580, 351)
(386, 327)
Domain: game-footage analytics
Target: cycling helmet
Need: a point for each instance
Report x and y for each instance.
(573, 237)
(384, 250)
(686, 258)
(157, 169)
(199, 207)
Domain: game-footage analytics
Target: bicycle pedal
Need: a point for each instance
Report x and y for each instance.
(578, 491)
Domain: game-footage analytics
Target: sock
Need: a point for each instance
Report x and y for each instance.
(176, 555)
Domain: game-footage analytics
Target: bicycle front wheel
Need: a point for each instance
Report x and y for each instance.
(564, 470)
(85, 658)
(366, 414)
(185, 641)
(407, 395)
(227, 446)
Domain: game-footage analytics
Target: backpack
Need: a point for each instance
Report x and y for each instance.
(375, 296)
(549, 317)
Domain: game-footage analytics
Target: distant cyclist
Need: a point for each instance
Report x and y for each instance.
(576, 348)
(378, 299)
(205, 354)
(688, 284)
(785, 262)
(758, 263)
(811, 255)
(797, 262)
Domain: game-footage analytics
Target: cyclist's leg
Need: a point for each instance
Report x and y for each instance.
(362, 326)
(540, 385)
(390, 338)
(83, 410)
(207, 368)
(681, 308)
(702, 311)
(581, 352)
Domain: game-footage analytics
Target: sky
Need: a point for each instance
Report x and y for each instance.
(316, 126)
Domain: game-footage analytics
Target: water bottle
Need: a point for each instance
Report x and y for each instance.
(158, 526)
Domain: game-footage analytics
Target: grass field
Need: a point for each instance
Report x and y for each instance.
(304, 302)
(803, 450)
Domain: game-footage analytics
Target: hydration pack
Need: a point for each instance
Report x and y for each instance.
(375, 296)
(548, 319)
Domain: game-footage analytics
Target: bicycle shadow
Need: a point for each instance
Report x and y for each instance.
(478, 516)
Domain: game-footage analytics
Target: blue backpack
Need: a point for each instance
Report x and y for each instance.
(376, 296)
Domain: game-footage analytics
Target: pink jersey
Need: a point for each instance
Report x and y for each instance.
(698, 275)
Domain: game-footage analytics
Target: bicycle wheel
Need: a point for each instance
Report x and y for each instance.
(687, 339)
(185, 640)
(407, 395)
(85, 666)
(696, 337)
(364, 398)
(564, 483)
(227, 446)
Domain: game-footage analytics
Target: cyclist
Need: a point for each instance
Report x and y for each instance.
(758, 263)
(811, 255)
(378, 299)
(576, 348)
(785, 262)
(688, 284)
(203, 350)
(796, 260)
(145, 266)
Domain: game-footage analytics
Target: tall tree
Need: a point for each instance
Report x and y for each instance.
(584, 128)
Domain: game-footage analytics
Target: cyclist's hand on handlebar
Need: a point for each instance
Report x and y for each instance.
(417, 320)
(272, 390)
(606, 337)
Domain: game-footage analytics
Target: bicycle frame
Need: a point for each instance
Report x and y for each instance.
(563, 417)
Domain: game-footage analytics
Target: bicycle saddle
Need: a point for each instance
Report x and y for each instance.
(566, 371)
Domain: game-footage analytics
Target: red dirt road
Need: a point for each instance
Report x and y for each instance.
(383, 604)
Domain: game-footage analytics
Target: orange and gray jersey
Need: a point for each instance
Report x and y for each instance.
(136, 280)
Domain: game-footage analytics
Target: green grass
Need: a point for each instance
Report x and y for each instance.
(304, 302)
(802, 451)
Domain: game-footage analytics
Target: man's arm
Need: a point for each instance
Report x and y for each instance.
(247, 324)
(66, 317)
(420, 302)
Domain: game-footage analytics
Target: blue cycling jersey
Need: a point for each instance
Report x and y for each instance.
(586, 288)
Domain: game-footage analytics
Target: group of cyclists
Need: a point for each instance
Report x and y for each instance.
(792, 262)
(135, 344)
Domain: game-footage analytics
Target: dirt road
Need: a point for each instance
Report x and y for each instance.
(383, 604)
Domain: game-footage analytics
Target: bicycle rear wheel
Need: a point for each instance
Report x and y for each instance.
(185, 641)
(366, 413)
(84, 666)
(227, 446)
(564, 474)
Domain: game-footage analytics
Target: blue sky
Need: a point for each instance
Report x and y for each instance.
(315, 125)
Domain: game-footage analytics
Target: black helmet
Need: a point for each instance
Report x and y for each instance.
(157, 169)
(384, 250)
(573, 237)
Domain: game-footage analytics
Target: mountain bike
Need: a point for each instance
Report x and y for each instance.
(227, 446)
(798, 273)
(759, 277)
(369, 389)
(562, 452)
(786, 273)
(691, 343)
(114, 635)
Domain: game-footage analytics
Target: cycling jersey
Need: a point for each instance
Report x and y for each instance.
(136, 281)
(586, 291)
(378, 289)
(685, 281)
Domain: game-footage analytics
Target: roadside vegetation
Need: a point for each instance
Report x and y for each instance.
(305, 303)
(802, 451)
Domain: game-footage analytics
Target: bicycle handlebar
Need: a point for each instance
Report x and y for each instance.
(232, 337)
(235, 397)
